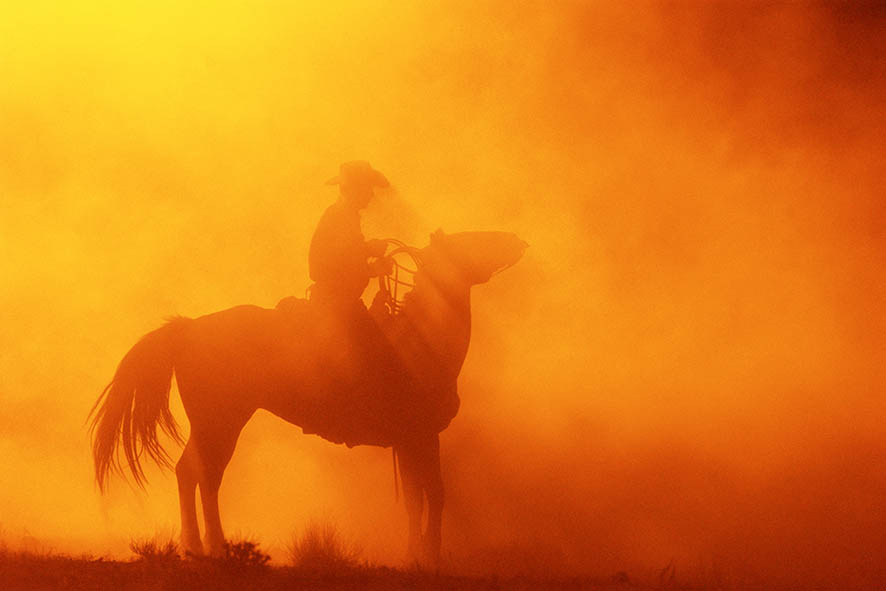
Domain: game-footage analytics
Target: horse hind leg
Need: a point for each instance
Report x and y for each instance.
(216, 446)
(186, 472)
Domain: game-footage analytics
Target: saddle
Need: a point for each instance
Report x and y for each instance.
(367, 392)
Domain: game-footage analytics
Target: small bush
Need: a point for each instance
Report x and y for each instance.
(243, 555)
(152, 550)
(321, 549)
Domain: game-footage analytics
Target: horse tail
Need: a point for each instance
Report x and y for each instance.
(134, 404)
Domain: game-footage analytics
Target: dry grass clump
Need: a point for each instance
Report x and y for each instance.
(239, 554)
(244, 555)
(320, 548)
(155, 550)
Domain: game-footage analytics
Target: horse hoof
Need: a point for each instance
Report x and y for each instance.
(431, 560)
(192, 548)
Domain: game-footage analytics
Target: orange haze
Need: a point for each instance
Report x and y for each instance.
(686, 366)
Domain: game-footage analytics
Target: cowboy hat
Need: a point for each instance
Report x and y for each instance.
(359, 172)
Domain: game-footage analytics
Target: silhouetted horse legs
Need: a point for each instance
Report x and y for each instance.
(434, 492)
(420, 470)
(216, 448)
(186, 471)
(203, 462)
(414, 500)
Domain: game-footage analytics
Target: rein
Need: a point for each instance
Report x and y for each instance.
(390, 285)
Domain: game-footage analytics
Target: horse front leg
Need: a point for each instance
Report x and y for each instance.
(434, 490)
(420, 470)
(413, 498)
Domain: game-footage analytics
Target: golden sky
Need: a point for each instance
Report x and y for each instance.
(687, 363)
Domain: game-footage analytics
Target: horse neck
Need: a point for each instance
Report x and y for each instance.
(443, 321)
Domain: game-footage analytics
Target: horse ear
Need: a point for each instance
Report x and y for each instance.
(438, 233)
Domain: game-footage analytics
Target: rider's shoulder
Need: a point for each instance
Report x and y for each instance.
(340, 210)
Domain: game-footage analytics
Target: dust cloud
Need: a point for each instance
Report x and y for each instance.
(686, 367)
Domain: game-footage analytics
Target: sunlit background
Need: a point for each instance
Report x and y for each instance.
(686, 367)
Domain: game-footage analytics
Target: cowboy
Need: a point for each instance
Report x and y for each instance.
(359, 361)
(338, 260)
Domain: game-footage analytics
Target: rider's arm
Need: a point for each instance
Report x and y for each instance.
(381, 266)
(376, 248)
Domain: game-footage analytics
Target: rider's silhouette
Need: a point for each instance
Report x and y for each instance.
(339, 264)
(338, 258)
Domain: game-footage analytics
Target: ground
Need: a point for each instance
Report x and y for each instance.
(33, 572)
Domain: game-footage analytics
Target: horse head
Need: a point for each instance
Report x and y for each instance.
(461, 260)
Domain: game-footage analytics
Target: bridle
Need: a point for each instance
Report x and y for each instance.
(390, 285)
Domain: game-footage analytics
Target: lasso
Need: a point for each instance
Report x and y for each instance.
(390, 285)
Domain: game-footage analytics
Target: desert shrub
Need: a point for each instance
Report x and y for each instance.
(320, 548)
(154, 550)
(244, 555)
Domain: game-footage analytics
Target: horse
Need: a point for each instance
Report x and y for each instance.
(298, 362)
